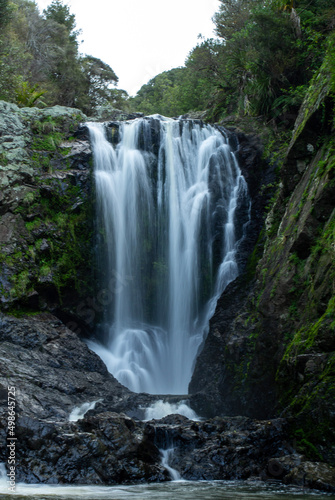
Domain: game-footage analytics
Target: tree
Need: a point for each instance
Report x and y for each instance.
(82, 82)
(96, 87)
(231, 17)
(35, 37)
(119, 99)
(258, 55)
(60, 14)
(28, 96)
(39, 56)
(206, 74)
(5, 13)
(12, 55)
(162, 94)
(65, 73)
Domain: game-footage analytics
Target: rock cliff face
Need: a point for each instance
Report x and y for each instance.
(271, 340)
(45, 207)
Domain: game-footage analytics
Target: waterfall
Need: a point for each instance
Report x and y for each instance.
(3, 477)
(161, 409)
(79, 412)
(166, 457)
(169, 195)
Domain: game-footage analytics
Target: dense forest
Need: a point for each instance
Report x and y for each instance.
(261, 62)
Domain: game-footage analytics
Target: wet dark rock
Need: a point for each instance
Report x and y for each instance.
(209, 379)
(79, 151)
(108, 113)
(312, 475)
(270, 346)
(82, 133)
(53, 371)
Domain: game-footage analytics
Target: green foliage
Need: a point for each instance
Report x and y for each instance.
(232, 17)
(291, 99)
(39, 56)
(61, 15)
(29, 96)
(258, 65)
(163, 94)
(119, 99)
(5, 13)
(95, 87)
(262, 64)
(304, 446)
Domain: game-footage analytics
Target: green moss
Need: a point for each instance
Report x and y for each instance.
(326, 241)
(304, 446)
(319, 88)
(3, 159)
(66, 257)
(61, 220)
(38, 244)
(45, 270)
(29, 198)
(68, 236)
(20, 283)
(312, 406)
(30, 226)
(255, 255)
(22, 311)
(305, 337)
(48, 142)
(42, 160)
(32, 251)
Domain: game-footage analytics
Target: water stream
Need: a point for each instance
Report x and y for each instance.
(79, 412)
(171, 205)
(181, 490)
(166, 457)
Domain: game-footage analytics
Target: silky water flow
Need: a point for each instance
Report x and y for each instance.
(172, 207)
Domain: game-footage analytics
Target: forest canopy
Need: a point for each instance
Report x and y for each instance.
(261, 61)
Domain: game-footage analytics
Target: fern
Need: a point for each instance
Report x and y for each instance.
(28, 95)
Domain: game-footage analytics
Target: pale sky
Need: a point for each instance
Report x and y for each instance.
(140, 38)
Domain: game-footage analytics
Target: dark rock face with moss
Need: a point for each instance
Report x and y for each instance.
(270, 349)
(46, 224)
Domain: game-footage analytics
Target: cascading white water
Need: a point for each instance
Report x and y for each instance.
(161, 409)
(166, 457)
(79, 412)
(167, 215)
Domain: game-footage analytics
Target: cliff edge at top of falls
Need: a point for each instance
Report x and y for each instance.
(270, 347)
